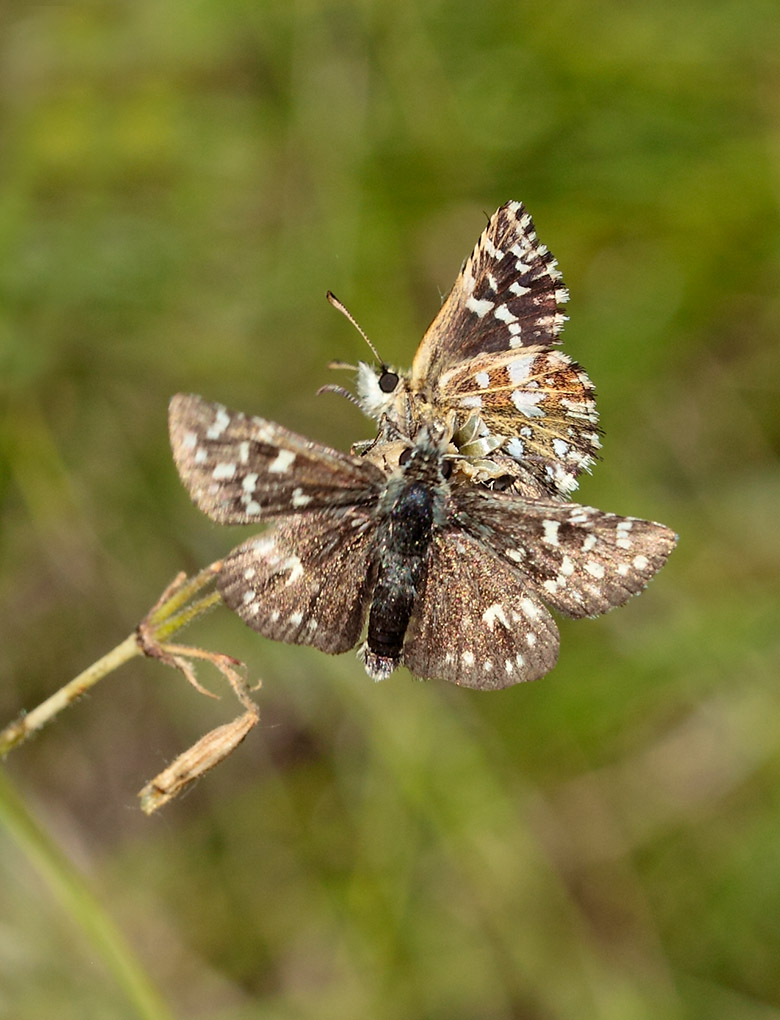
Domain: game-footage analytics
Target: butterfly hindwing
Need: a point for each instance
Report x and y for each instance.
(581, 561)
(478, 623)
(305, 581)
(539, 402)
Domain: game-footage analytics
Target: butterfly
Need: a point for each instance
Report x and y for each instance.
(523, 411)
(454, 579)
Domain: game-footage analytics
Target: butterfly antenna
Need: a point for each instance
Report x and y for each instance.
(331, 388)
(347, 314)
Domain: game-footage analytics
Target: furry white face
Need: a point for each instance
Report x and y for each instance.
(377, 393)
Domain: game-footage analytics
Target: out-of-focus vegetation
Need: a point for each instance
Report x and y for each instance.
(181, 183)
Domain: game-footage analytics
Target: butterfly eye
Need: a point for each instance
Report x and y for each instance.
(405, 456)
(446, 469)
(502, 483)
(388, 381)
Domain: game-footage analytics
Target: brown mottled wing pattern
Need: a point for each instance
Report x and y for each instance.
(306, 581)
(579, 560)
(540, 401)
(491, 352)
(240, 469)
(478, 622)
(509, 294)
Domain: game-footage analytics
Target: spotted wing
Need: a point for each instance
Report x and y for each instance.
(539, 402)
(306, 581)
(489, 353)
(240, 469)
(477, 622)
(581, 561)
(508, 295)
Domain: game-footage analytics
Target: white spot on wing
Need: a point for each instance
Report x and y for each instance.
(479, 307)
(550, 535)
(567, 566)
(294, 565)
(223, 471)
(561, 447)
(282, 462)
(493, 613)
(515, 448)
(220, 423)
(520, 368)
(526, 402)
(300, 499)
(503, 314)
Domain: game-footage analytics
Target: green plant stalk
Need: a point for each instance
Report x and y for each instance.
(70, 888)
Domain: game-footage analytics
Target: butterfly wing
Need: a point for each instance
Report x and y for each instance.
(508, 295)
(579, 560)
(489, 352)
(240, 469)
(477, 622)
(306, 581)
(540, 402)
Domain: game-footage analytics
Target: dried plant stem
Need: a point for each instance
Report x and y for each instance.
(28, 723)
(174, 610)
(176, 607)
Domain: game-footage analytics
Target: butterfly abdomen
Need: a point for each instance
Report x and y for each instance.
(402, 558)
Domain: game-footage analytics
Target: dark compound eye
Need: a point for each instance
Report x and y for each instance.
(446, 469)
(388, 381)
(405, 456)
(502, 484)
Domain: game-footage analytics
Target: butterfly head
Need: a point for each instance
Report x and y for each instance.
(382, 393)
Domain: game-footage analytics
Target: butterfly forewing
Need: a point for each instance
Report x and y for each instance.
(478, 623)
(580, 560)
(508, 295)
(240, 469)
(306, 581)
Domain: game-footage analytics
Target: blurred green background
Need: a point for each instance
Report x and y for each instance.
(181, 184)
